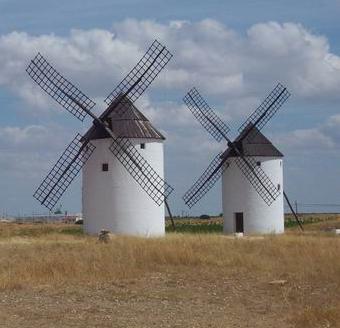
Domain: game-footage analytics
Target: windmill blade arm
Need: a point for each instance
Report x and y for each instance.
(258, 179)
(63, 172)
(58, 87)
(260, 117)
(206, 181)
(140, 170)
(205, 115)
(142, 75)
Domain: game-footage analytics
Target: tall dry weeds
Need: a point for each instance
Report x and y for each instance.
(61, 259)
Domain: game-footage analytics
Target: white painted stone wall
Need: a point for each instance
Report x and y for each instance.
(113, 200)
(238, 195)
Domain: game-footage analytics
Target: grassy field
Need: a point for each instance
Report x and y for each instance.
(52, 275)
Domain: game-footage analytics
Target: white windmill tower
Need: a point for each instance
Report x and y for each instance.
(111, 197)
(252, 191)
(243, 208)
(121, 154)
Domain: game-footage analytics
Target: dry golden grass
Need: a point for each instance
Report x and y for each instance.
(314, 317)
(229, 275)
(59, 258)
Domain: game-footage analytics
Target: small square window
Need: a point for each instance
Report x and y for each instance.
(105, 167)
(258, 163)
(278, 187)
(142, 146)
(109, 122)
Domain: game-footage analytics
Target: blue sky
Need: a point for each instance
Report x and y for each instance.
(37, 16)
(236, 49)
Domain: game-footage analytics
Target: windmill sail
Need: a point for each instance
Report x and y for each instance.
(205, 115)
(258, 179)
(63, 172)
(260, 117)
(58, 87)
(142, 75)
(206, 181)
(140, 170)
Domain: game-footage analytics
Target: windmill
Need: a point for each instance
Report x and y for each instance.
(252, 202)
(127, 183)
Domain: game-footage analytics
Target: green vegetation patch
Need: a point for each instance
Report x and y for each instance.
(196, 226)
(38, 230)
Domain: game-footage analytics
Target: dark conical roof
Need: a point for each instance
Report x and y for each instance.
(253, 143)
(125, 121)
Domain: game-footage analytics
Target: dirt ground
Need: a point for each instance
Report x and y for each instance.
(170, 300)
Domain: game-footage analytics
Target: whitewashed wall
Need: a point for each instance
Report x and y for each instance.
(238, 195)
(113, 200)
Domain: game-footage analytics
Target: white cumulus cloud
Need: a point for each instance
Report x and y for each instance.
(208, 54)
